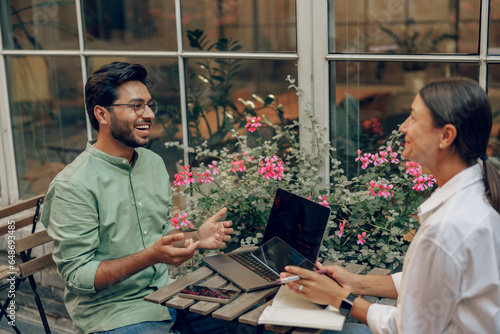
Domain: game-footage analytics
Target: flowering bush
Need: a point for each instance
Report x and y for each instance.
(373, 214)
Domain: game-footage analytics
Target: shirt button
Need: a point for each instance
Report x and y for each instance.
(140, 203)
(125, 161)
(145, 232)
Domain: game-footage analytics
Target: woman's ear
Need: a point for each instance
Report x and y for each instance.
(449, 133)
(102, 115)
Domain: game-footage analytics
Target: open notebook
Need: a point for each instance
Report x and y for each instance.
(291, 309)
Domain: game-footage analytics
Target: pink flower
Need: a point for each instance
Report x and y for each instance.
(272, 168)
(180, 220)
(323, 200)
(238, 165)
(423, 182)
(184, 176)
(204, 176)
(341, 228)
(250, 158)
(253, 124)
(361, 240)
(215, 171)
(383, 157)
(394, 155)
(365, 159)
(413, 169)
(381, 189)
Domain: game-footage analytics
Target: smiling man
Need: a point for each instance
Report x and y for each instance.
(108, 214)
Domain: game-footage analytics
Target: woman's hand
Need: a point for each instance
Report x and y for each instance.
(343, 277)
(319, 289)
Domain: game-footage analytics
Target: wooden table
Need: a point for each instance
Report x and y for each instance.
(245, 309)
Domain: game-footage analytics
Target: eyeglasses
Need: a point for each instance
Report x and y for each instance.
(140, 106)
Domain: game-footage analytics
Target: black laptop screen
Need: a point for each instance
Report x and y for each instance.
(276, 254)
(299, 222)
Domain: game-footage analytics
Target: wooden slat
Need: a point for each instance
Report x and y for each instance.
(20, 223)
(167, 292)
(277, 329)
(21, 206)
(334, 263)
(252, 317)
(355, 268)
(215, 281)
(379, 271)
(243, 303)
(35, 265)
(307, 331)
(204, 307)
(32, 240)
(179, 303)
(6, 272)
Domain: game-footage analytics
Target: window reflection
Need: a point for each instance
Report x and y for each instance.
(214, 87)
(366, 108)
(494, 29)
(494, 96)
(39, 25)
(258, 25)
(130, 25)
(405, 27)
(47, 117)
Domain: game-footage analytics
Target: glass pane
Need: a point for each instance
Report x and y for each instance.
(214, 87)
(163, 75)
(494, 95)
(366, 108)
(256, 25)
(47, 115)
(38, 25)
(406, 26)
(494, 29)
(130, 25)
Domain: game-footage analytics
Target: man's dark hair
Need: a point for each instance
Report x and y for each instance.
(102, 86)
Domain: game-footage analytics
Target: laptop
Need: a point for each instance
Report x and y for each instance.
(297, 221)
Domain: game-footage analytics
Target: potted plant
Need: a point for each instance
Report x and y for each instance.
(373, 214)
(412, 40)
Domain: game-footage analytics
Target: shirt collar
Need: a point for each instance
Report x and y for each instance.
(458, 182)
(116, 161)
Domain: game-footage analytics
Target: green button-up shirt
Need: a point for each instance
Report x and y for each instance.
(101, 208)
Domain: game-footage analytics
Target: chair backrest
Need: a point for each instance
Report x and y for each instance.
(31, 266)
(31, 218)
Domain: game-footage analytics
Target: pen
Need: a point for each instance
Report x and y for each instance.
(297, 277)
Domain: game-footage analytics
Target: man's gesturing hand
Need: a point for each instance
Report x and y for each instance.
(214, 234)
(164, 251)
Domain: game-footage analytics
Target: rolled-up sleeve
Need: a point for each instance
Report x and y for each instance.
(396, 279)
(70, 216)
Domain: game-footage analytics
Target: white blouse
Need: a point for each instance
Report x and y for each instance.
(451, 274)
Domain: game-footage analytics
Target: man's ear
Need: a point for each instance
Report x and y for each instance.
(449, 133)
(102, 115)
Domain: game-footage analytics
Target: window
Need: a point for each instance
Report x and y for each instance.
(360, 64)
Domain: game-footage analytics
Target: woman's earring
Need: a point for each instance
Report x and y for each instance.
(441, 146)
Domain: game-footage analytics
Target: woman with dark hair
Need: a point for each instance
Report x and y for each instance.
(450, 281)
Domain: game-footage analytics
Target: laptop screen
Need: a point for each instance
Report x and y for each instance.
(277, 254)
(299, 222)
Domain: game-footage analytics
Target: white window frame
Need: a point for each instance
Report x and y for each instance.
(312, 56)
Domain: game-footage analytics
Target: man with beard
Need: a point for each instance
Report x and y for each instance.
(108, 212)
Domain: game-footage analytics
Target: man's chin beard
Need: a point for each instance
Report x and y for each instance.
(128, 142)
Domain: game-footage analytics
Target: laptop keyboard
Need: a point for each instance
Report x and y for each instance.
(246, 259)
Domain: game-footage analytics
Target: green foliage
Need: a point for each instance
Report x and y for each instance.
(249, 196)
(414, 41)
